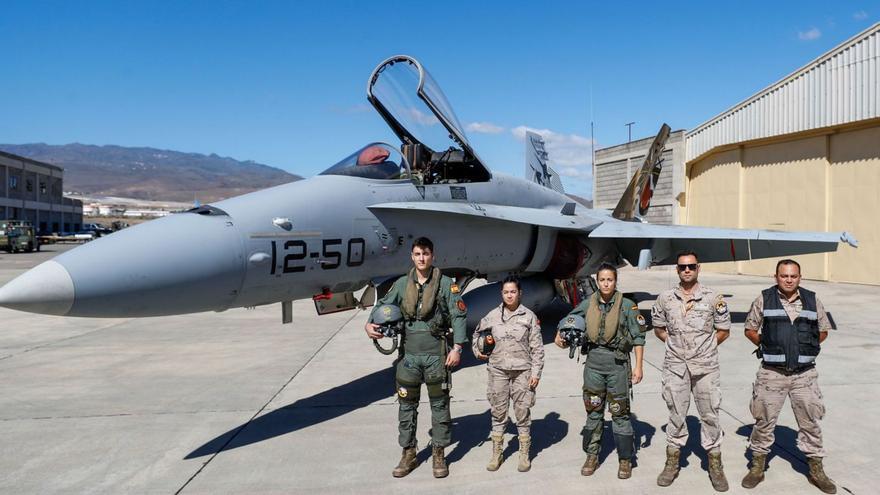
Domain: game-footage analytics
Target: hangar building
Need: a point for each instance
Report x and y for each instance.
(802, 154)
(33, 191)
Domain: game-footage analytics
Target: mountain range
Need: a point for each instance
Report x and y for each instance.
(150, 173)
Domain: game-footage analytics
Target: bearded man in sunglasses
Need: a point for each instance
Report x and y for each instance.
(693, 320)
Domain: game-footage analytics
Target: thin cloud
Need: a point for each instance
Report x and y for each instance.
(421, 117)
(484, 128)
(812, 34)
(860, 15)
(564, 150)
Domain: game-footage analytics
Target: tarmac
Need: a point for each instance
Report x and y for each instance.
(236, 402)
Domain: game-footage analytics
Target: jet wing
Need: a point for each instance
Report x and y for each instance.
(532, 216)
(716, 244)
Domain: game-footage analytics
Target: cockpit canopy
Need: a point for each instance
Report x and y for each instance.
(373, 161)
(433, 140)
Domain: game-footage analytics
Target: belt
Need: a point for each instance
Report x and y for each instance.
(786, 372)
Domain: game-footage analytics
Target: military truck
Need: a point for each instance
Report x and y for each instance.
(17, 235)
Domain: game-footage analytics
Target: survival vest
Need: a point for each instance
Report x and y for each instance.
(608, 329)
(426, 303)
(791, 346)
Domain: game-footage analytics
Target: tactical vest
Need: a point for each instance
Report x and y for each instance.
(425, 311)
(787, 345)
(617, 339)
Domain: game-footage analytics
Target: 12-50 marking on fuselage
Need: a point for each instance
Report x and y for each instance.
(295, 250)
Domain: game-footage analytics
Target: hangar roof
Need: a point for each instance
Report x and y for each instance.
(839, 87)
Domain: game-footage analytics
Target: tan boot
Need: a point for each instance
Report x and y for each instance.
(497, 452)
(407, 463)
(590, 465)
(441, 470)
(716, 472)
(625, 469)
(670, 470)
(818, 476)
(756, 472)
(525, 443)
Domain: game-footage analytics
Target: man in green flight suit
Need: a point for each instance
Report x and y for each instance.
(614, 328)
(431, 304)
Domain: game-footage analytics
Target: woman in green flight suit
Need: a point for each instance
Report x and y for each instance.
(614, 327)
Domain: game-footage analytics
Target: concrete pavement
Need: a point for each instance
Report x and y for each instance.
(235, 402)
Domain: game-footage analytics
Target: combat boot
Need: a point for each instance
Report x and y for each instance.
(525, 442)
(756, 472)
(407, 463)
(625, 469)
(497, 452)
(441, 470)
(590, 465)
(670, 470)
(716, 472)
(818, 476)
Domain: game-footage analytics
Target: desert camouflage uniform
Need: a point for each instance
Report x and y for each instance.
(517, 357)
(691, 362)
(772, 386)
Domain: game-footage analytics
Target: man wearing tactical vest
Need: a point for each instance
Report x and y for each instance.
(693, 320)
(431, 304)
(787, 323)
(614, 327)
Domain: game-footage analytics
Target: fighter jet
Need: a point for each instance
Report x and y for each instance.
(342, 236)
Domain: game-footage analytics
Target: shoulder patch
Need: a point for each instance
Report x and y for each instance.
(640, 320)
(721, 307)
(461, 305)
(454, 288)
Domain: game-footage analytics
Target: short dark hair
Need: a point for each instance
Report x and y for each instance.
(423, 242)
(687, 252)
(511, 279)
(607, 266)
(788, 261)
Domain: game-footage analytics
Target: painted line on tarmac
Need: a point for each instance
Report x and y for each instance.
(266, 405)
(124, 415)
(65, 339)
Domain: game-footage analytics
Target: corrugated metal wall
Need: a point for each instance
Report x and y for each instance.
(839, 87)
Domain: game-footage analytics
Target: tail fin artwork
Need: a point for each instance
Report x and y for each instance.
(637, 196)
(537, 169)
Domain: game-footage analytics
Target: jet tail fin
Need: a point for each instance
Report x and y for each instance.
(637, 196)
(537, 169)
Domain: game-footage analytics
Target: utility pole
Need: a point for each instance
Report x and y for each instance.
(629, 128)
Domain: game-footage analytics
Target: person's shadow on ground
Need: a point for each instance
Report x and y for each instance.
(473, 430)
(693, 444)
(784, 447)
(643, 435)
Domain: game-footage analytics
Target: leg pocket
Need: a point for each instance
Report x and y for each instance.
(408, 373)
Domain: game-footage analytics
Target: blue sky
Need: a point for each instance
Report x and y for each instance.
(284, 83)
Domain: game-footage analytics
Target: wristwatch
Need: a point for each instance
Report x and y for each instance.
(457, 348)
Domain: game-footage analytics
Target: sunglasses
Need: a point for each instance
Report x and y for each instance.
(690, 266)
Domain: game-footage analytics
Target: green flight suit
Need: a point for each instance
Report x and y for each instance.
(424, 360)
(607, 377)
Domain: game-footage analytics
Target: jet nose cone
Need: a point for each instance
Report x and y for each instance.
(46, 289)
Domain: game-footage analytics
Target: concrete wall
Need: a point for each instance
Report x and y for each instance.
(37, 195)
(821, 181)
(615, 166)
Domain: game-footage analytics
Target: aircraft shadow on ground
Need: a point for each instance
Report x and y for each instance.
(784, 447)
(338, 401)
